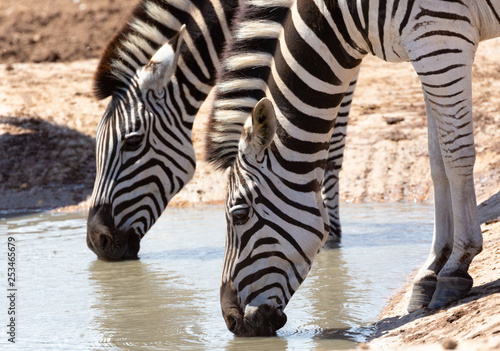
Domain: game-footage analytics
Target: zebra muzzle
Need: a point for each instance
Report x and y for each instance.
(107, 242)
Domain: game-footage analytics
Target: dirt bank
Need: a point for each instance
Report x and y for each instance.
(473, 318)
(48, 120)
(48, 116)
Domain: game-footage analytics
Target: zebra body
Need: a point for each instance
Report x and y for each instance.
(276, 221)
(144, 148)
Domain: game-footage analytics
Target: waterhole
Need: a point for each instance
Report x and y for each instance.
(169, 298)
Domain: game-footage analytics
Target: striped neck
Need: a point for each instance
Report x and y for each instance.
(290, 52)
(152, 23)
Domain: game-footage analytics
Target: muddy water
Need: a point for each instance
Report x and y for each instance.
(68, 299)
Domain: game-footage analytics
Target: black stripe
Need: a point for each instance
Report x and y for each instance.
(445, 33)
(353, 9)
(445, 85)
(301, 89)
(253, 258)
(492, 8)
(442, 15)
(395, 6)
(406, 17)
(438, 53)
(299, 119)
(441, 71)
(381, 24)
(257, 175)
(311, 61)
(319, 25)
(256, 293)
(254, 277)
(262, 199)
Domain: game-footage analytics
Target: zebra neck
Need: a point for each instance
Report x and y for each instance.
(304, 65)
(153, 23)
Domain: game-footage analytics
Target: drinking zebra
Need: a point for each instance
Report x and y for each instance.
(276, 221)
(144, 150)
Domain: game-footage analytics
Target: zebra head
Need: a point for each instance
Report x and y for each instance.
(276, 224)
(141, 163)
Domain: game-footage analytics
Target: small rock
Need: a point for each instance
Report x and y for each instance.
(449, 344)
(393, 120)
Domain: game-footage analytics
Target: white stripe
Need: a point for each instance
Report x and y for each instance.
(192, 78)
(163, 16)
(267, 3)
(353, 33)
(312, 81)
(241, 84)
(225, 118)
(140, 43)
(192, 101)
(310, 37)
(148, 31)
(257, 29)
(135, 50)
(219, 10)
(323, 113)
(226, 104)
(248, 59)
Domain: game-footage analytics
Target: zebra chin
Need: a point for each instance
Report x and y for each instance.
(263, 320)
(107, 242)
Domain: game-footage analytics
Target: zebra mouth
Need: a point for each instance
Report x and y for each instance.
(117, 247)
(107, 242)
(262, 321)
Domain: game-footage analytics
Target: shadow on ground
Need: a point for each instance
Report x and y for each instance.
(43, 165)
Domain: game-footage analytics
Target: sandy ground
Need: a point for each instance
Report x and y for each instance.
(48, 121)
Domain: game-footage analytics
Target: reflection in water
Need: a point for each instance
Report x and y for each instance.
(169, 299)
(133, 303)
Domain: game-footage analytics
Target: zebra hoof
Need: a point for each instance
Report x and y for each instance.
(422, 293)
(332, 242)
(450, 289)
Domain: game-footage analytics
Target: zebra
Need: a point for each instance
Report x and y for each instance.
(144, 152)
(283, 112)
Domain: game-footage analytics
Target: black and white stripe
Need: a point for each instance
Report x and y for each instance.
(133, 187)
(144, 149)
(302, 55)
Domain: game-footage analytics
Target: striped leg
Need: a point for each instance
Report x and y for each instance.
(330, 189)
(446, 83)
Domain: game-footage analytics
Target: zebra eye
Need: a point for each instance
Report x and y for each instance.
(133, 142)
(239, 214)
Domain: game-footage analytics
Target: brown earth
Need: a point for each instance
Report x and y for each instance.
(48, 120)
(58, 30)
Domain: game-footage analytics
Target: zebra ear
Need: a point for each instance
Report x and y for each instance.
(161, 67)
(263, 127)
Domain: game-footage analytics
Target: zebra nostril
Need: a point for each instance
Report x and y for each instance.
(232, 323)
(103, 242)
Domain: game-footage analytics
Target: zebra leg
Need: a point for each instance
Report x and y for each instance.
(425, 282)
(330, 190)
(447, 86)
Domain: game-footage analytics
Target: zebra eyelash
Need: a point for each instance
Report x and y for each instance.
(240, 213)
(132, 141)
(238, 207)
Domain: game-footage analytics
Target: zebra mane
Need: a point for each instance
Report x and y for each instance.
(132, 47)
(241, 80)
